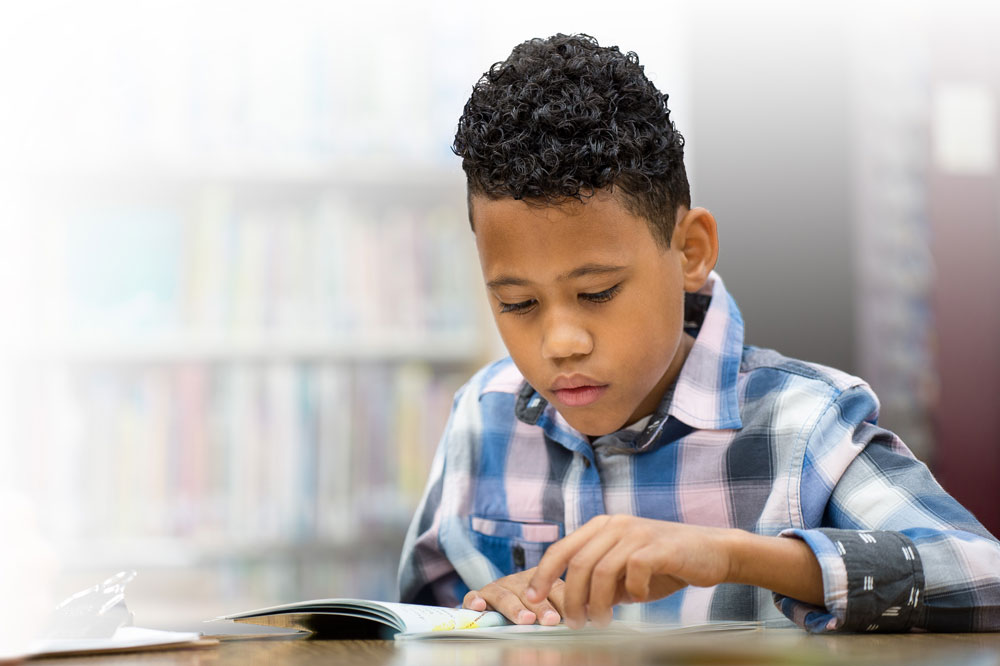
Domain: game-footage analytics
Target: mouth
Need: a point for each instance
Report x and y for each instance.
(578, 390)
(580, 396)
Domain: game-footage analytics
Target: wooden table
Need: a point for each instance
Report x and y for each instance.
(763, 646)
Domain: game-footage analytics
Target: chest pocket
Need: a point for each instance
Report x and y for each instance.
(511, 545)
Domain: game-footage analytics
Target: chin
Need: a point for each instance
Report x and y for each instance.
(594, 427)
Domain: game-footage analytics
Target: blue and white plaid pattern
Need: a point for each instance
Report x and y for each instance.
(746, 439)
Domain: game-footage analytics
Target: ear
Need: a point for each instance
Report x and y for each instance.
(696, 237)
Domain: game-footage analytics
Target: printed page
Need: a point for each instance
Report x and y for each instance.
(618, 629)
(435, 619)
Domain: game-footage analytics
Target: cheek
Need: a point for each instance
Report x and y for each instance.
(644, 352)
(508, 333)
(648, 342)
(518, 338)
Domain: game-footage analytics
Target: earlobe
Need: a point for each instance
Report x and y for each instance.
(697, 238)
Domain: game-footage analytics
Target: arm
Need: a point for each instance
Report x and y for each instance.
(425, 574)
(897, 552)
(888, 549)
(439, 560)
(616, 559)
(785, 566)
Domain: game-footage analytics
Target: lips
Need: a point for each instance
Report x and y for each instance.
(577, 390)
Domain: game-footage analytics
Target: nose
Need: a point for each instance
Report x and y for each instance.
(564, 337)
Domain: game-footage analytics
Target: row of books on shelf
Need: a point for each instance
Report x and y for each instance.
(326, 266)
(225, 454)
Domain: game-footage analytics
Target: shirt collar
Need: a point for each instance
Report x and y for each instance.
(705, 393)
(704, 396)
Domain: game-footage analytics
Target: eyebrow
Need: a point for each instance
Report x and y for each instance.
(578, 272)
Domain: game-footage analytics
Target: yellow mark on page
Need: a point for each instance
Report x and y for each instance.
(471, 624)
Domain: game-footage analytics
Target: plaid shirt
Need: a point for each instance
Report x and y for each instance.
(747, 439)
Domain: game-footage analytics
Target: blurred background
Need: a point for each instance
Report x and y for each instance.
(238, 289)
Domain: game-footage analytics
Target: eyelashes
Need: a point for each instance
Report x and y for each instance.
(603, 296)
(525, 307)
(517, 308)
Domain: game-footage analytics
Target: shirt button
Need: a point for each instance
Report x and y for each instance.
(517, 554)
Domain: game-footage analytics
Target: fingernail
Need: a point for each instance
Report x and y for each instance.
(525, 617)
(550, 618)
(478, 604)
(532, 594)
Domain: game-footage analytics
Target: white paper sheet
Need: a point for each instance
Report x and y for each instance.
(124, 638)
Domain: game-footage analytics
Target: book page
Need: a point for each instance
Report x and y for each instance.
(320, 616)
(435, 619)
(618, 629)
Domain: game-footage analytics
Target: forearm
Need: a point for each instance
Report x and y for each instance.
(785, 566)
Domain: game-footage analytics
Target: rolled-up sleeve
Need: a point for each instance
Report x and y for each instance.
(896, 551)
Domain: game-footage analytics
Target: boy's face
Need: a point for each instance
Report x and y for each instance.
(589, 306)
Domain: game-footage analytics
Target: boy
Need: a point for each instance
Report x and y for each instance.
(631, 441)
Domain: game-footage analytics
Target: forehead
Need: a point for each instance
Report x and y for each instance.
(516, 236)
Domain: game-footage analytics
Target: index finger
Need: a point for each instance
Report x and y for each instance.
(557, 557)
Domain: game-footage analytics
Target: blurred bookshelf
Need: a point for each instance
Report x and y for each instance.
(240, 382)
(890, 70)
(242, 293)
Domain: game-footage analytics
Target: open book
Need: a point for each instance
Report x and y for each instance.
(360, 619)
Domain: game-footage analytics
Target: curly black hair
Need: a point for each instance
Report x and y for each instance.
(563, 117)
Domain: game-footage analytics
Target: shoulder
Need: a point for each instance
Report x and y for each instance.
(487, 399)
(770, 381)
(759, 360)
(483, 419)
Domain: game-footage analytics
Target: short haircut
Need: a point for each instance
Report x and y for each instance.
(563, 117)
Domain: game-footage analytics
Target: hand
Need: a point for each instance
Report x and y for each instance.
(506, 595)
(615, 559)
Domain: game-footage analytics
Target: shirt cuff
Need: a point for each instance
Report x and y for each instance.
(872, 581)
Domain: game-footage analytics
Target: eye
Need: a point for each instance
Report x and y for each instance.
(517, 308)
(602, 296)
